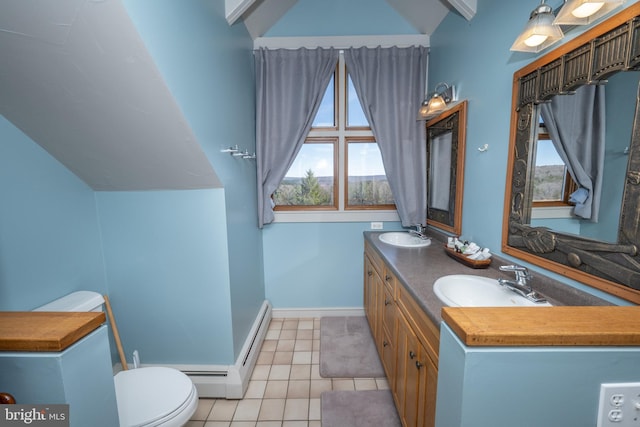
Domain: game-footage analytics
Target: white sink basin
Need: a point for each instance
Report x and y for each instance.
(404, 239)
(462, 290)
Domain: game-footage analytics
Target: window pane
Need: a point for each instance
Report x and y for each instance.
(549, 174)
(325, 117)
(367, 180)
(355, 115)
(309, 181)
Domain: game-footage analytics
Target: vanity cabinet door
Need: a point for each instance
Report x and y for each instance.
(372, 283)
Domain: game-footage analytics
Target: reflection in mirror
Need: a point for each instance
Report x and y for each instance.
(550, 212)
(594, 243)
(445, 168)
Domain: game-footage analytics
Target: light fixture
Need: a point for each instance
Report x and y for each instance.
(584, 12)
(540, 32)
(437, 101)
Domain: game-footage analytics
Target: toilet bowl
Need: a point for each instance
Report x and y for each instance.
(149, 396)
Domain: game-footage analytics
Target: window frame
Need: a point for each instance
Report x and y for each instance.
(569, 184)
(342, 133)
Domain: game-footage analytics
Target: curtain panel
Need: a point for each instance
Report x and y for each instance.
(290, 85)
(576, 124)
(390, 83)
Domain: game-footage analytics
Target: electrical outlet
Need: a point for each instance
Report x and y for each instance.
(376, 226)
(619, 405)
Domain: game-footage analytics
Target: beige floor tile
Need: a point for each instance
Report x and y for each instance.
(365, 384)
(305, 324)
(298, 389)
(300, 372)
(303, 345)
(272, 335)
(203, 409)
(314, 409)
(286, 345)
(382, 383)
(279, 372)
(242, 424)
(315, 357)
(315, 372)
(288, 334)
(301, 358)
(261, 372)
(223, 410)
(271, 410)
(269, 345)
(247, 410)
(304, 334)
(343, 384)
(295, 424)
(318, 386)
(269, 424)
(216, 424)
(296, 409)
(265, 358)
(283, 358)
(255, 390)
(315, 424)
(290, 324)
(194, 424)
(276, 389)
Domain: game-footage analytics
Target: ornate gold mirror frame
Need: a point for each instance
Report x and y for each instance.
(610, 47)
(448, 128)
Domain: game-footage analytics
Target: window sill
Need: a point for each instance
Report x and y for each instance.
(336, 216)
(552, 212)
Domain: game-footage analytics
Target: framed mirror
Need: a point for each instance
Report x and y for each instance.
(446, 137)
(593, 80)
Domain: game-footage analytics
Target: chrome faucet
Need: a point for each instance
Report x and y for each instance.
(419, 231)
(521, 284)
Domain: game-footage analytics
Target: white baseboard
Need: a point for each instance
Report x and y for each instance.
(285, 313)
(231, 381)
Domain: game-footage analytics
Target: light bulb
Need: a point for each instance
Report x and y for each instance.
(535, 40)
(587, 9)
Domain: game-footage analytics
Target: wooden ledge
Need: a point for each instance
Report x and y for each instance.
(545, 326)
(45, 331)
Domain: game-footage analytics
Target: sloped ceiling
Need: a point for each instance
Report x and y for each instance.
(424, 15)
(77, 79)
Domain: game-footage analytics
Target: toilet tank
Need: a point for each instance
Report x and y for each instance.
(76, 301)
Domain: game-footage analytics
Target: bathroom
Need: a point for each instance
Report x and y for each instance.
(191, 262)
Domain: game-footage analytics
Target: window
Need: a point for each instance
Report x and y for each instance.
(339, 168)
(552, 183)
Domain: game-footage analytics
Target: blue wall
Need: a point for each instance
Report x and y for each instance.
(526, 386)
(208, 66)
(49, 234)
(475, 57)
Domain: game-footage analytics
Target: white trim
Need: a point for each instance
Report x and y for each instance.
(341, 42)
(548, 212)
(466, 8)
(230, 381)
(302, 313)
(335, 216)
(235, 9)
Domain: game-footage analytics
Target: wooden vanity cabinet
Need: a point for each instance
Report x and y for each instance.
(407, 342)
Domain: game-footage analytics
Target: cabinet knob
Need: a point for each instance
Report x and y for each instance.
(418, 365)
(385, 343)
(369, 273)
(387, 278)
(386, 302)
(412, 355)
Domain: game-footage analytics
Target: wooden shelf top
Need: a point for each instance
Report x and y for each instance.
(45, 331)
(545, 326)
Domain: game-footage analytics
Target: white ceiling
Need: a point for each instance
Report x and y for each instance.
(77, 79)
(424, 15)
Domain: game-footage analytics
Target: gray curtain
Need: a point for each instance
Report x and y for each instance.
(390, 83)
(289, 89)
(576, 124)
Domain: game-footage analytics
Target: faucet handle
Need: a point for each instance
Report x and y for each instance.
(522, 273)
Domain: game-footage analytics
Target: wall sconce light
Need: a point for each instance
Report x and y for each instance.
(584, 12)
(540, 31)
(437, 101)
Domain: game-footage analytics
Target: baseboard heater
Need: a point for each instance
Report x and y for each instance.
(231, 381)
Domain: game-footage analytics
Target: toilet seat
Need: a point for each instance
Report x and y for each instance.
(154, 396)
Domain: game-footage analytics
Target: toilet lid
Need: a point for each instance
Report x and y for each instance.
(145, 395)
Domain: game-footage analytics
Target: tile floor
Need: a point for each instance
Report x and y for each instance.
(284, 390)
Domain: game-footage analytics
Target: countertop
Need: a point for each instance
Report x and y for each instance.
(45, 331)
(418, 268)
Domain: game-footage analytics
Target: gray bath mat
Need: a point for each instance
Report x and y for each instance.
(358, 409)
(347, 349)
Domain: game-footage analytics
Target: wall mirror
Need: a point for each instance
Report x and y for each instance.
(446, 135)
(603, 61)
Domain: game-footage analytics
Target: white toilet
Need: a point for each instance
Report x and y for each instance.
(151, 396)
